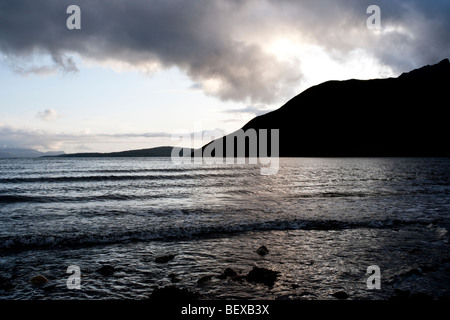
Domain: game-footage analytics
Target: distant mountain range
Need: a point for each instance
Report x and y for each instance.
(404, 116)
(152, 152)
(26, 153)
(31, 153)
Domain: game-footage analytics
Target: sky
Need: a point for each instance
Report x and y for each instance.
(139, 72)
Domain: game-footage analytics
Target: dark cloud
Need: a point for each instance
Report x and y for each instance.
(192, 35)
(221, 45)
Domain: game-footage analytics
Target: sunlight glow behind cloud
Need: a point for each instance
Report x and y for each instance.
(247, 55)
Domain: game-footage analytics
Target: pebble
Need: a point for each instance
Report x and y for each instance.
(106, 270)
(164, 259)
(262, 275)
(341, 295)
(262, 251)
(203, 280)
(173, 277)
(39, 279)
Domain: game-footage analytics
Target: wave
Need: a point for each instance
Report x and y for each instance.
(103, 178)
(143, 170)
(171, 233)
(10, 199)
(17, 198)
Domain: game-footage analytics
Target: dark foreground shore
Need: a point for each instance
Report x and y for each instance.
(270, 265)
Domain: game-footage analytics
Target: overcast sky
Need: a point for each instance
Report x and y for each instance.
(138, 71)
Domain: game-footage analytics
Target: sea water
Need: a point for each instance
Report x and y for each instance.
(324, 221)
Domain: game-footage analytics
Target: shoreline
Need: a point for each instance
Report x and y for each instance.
(306, 269)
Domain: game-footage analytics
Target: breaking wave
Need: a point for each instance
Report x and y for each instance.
(171, 233)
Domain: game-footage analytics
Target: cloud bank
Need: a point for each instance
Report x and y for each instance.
(48, 140)
(223, 46)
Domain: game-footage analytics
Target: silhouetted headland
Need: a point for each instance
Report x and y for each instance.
(402, 116)
(393, 117)
(152, 152)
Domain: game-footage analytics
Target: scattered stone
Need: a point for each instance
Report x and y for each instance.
(262, 275)
(172, 293)
(173, 278)
(341, 295)
(164, 259)
(39, 279)
(203, 280)
(262, 251)
(106, 270)
(228, 272)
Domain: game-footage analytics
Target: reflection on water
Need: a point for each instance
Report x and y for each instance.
(324, 221)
